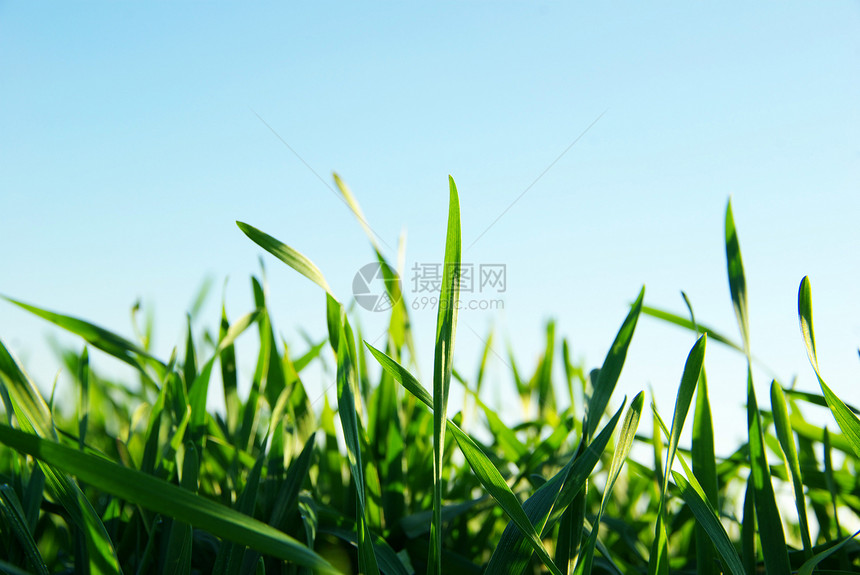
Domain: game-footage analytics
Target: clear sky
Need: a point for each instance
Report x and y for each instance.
(130, 142)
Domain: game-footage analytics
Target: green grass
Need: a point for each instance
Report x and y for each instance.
(140, 478)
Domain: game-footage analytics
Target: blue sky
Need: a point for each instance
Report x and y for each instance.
(130, 143)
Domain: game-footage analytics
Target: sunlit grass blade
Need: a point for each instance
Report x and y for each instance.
(686, 323)
(286, 254)
(611, 370)
(770, 527)
(98, 337)
(694, 496)
(622, 449)
(446, 325)
(737, 280)
(165, 498)
(785, 436)
(848, 422)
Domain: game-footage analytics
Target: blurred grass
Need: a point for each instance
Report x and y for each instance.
(138, 477)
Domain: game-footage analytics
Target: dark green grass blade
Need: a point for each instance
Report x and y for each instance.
(483, 468)
(767, 514)
(446, 322)
(622, 449)
(810, 564)
(781, 423)
(694, 496)
(737, 281)
(286, 254)
(165, 498)
(611, 370)
(848, 422)
(14, 522)
(659, 562)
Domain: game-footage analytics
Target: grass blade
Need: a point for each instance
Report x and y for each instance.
(165, 498)
(737, 281)
(769, 522)
(611, 370)
(446, 322)
(694, 496)
(628, 433)
(286, 254)
(848, 422)
(781, 423)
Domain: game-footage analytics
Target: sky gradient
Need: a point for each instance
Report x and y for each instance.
(132, 137)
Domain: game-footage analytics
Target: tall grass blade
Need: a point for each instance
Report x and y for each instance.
(611, 370)
(848, 422)
(659, 562)
(446, 322)
(737, 281)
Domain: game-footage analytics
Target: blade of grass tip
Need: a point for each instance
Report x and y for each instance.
(286, 254)
(625, 442)
(611, 370)
(848, 422)
(809, 565)
(782, 424)
(770, 528)
(446, 322)
(737, 281)
(483, 468)
(659, 562)
(165, 498)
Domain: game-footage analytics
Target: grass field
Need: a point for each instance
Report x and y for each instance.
(139, 478)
